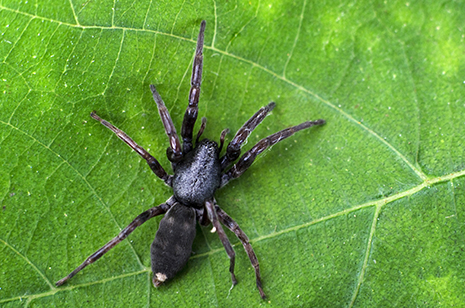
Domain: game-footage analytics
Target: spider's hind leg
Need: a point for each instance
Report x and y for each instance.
(212, 215)
(234, 227)
(155, 211)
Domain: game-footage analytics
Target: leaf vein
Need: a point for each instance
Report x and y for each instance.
(295, 39)
(29, 262)
(74, 12)
(83, 178)
(377, 203)
(17, 40)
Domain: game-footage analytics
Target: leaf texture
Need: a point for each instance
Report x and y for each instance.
(367, 211)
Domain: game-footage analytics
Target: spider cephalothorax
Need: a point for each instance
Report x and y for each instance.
(198, 172)
(198, 175)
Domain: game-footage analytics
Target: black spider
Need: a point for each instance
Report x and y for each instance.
(198, 172)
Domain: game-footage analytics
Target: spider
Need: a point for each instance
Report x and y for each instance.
(198, 172)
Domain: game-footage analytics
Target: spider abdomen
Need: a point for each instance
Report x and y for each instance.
(173, 243)
(198, 175)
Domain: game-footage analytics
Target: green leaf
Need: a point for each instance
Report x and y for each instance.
(365, 211)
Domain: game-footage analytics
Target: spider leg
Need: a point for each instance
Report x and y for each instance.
(174, 151)
(192, 110)
(202, 128)
(202, 217)
(212, 215)
(223, 135)
(153, 163)
(234, 227)
(233, 151)
(248, 158)
(158, 210)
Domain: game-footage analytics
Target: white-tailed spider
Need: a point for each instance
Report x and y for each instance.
(198, 172)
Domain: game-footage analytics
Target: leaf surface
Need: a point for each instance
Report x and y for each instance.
(365, 211)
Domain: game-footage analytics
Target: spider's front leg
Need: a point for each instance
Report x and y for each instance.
(174, 152)
(233, 150)
(192, 110)
(151, 161)
(248, 158)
